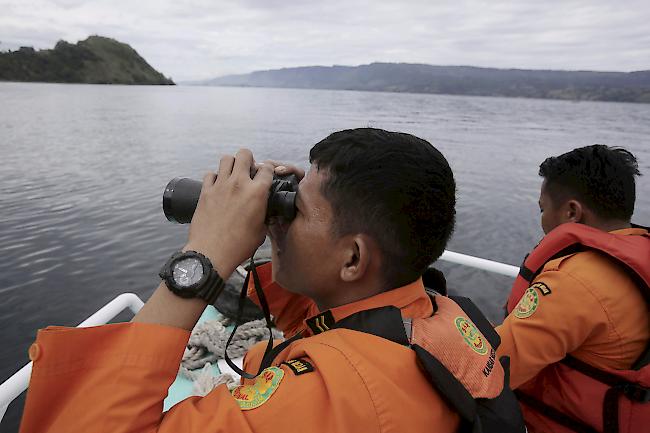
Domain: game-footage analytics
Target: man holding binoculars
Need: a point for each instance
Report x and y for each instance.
(374, 210)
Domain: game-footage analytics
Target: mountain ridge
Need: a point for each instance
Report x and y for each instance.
(454, 80)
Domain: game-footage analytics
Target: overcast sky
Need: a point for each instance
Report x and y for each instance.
(199, 39)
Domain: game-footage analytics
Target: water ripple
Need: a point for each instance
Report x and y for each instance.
(84, 168)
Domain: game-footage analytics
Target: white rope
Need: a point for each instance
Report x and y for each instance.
(207, 344)
(205, 381)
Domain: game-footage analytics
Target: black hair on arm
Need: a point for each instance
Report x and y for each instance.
(394, 187)
(600, 176)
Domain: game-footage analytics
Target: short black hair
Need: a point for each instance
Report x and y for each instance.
(600, 176)
(394, 187)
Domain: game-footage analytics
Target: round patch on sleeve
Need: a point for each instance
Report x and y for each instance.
(251, 396)
(471, 335)
(527, 304)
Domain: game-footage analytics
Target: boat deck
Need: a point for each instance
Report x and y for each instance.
(182, 387)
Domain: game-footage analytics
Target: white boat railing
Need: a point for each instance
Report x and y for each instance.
(16, 384)
(479, 263)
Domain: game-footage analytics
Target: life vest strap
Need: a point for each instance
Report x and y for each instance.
(612, 397)
(479, 319)
(526, 273)
(500, 414)
(435, 280)
(554, 414)
(617, 387)
(610, 408)
(386, 322)
(631, 390)
(610, 411)
(530, 274)
(450, 388)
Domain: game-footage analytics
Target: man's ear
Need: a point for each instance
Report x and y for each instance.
(357, 257)
(574, 211)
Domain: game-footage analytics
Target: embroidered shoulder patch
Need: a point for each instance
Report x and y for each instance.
(527, 304)
(471, 335)
(299, 366)
(543, 288)
(251, 396)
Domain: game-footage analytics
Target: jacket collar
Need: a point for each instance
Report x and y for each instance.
(411, 299)
(631, 231)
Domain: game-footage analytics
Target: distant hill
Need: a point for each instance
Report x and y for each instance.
(455, 80)
(96, 60)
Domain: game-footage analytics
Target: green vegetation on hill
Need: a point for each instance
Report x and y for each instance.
(455, 80)
(96, 60)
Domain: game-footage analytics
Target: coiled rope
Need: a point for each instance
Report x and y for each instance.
(207, 345)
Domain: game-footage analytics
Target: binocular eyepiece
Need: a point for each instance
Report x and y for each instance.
(182, 195)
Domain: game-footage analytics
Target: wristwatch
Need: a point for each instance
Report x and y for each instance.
(190, 275)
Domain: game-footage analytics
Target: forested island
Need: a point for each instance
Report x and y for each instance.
(455, 80)
(96, 60)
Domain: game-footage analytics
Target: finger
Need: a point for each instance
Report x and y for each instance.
(254, 168)
(264, 174)
(286, 169)
(243, 163)
(209, 178)
(225, 166)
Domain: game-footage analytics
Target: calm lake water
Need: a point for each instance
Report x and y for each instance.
(83, 170)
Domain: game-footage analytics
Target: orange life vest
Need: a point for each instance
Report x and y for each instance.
(456, 349)
(571, 395)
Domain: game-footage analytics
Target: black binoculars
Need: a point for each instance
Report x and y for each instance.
(182, 195)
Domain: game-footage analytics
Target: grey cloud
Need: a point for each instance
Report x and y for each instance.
(68, 4)
(205, 38)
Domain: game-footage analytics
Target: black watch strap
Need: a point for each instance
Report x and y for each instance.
(208, 290)
(212, 288)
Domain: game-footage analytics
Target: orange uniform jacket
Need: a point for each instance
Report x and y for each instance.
(583, 304)
(114, 378)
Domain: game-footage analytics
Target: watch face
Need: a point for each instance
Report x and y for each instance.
(187, 271)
